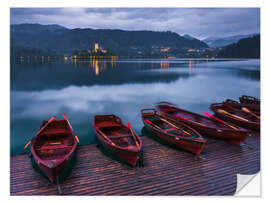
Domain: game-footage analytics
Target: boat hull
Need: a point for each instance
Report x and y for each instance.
(55, 172)
(53, 148)
(118, 139)
(130, 157)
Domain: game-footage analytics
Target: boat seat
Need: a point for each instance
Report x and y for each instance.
(119, 136)
(108, 124)
(170, 129)
(51, 132)
(48, 147)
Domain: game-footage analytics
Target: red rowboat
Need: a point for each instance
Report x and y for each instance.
(204, 125)
(255, 108)
(120, 140)
(179, 135)
(236, 116)
(53, 147)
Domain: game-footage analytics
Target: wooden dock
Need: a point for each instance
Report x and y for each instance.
(167, 171)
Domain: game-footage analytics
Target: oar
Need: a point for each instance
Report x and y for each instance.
(248, 111)
(66, 118)
(42, 128)
(77, 139)
(225, 112)
(27, 144)
(182, 118)
(152, 124)
(221, 121)
(104, 135)
(173, 125)
(175, 137)
(168, 123)
(129, 126)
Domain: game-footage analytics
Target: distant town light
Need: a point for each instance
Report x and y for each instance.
(165, 49)
(96, 47)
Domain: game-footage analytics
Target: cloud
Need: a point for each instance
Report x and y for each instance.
(199, 22)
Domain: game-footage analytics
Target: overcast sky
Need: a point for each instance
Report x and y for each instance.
(198, 22)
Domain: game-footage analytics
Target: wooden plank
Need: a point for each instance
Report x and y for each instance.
(167, 171)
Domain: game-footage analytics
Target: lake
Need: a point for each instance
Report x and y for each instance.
(82, 89)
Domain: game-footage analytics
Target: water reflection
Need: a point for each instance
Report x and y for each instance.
(164, 64)
(39, 91)
(57, 75)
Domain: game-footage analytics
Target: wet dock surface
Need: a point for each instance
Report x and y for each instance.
(167, 171)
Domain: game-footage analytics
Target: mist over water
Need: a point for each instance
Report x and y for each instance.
(83, 89)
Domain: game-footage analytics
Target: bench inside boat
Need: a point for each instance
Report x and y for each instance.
(119, 135)
(55, 141)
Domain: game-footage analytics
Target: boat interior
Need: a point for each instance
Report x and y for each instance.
(119, 135)
(168, 128)
(55, 141)
(239, 113)
(197, 118)
(112, 127)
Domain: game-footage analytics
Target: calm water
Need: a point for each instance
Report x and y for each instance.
(84, 89)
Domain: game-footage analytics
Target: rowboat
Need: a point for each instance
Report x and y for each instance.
(236, 116)
(118, 139)
(204, 125)
(255, 108)
(179, 135)
(53, 147)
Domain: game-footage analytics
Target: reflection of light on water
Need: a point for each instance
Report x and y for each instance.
(75, 60)
(190, 66)
(112, 61)
(164, 64)
(96, 68)
(21, 59)
(99, 65)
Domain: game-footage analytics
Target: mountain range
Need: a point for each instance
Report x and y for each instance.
(60, 40)
(224, 41)
(244, 48)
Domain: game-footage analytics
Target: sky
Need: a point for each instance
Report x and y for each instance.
(198, 22)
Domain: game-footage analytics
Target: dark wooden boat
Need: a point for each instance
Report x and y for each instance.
(53, 147)
(204, 125)
(120, 140)
(255, 108)
(179, 135)
(249, 100)
(236, 116)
